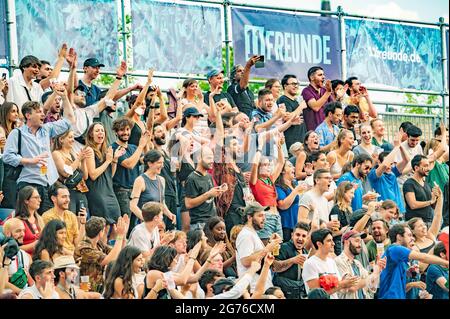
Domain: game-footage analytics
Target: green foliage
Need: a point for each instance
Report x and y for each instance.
(421, 99)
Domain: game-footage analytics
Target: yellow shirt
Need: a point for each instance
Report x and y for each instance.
(71, 225)
(361, 102)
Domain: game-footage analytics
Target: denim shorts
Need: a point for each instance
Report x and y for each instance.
(271, 225)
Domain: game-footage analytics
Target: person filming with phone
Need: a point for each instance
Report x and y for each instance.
(239, 90)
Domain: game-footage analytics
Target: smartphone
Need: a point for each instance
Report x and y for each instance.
(4, 76)
(260, 63)
(81, 206)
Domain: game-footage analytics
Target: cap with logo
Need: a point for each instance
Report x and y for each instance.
(94, 62)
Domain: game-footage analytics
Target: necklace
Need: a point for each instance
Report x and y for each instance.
(70, 292)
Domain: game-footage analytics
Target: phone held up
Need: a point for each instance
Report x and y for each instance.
(260, 63)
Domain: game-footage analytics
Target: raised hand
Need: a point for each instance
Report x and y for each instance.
(48, 290)
(328, 86)
(251, 62)
(63, 51)
(119, 152)
(150, 75)
(109, 154)
(122, 69)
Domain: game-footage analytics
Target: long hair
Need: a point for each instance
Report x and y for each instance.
(48, 240)
(343, 188)
(5, 109)
(280, 180)
(193, 237)
(186, 84)
(306, 147)
(57, 145)
(99, 152)
(122, 268)
(162, 258)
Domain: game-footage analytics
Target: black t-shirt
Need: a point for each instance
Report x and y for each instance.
(168, 177)
(238, 196)
(244, 98)
(196, 185)
(296, 133)
(217, 98)
(423, 194)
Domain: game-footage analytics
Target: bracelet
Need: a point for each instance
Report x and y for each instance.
(208, 261)
(118, 78)
(115, 162)
(192, 258)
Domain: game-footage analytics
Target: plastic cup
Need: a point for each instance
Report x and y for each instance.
(84, 283)
(380, 249)
(334, 218)
(44, 169)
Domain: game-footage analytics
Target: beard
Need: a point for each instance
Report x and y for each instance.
(122, 139)
(354, 250)
(160, 141)
(205, 165)
(256, 226)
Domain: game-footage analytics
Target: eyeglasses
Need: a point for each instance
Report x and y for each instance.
(293, 84)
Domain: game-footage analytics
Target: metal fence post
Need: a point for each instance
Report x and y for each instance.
(226, 5)
(444, 69)
(124, 37)
(340, 12)
(9, 62)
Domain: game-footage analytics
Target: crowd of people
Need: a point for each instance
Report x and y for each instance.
(221, 194)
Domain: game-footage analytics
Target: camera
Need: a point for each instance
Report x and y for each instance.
(11, 249)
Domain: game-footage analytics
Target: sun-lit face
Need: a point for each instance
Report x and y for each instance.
(61, 236)
(138, 263)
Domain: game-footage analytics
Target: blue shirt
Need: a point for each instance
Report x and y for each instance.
(393, 277)
(92, 92)
(32, 146)
(288, 216)
(357, 202)
(387, 186)
(434, 272)
(125, 177)
(325, 136)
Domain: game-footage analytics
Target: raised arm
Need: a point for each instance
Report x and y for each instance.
(45, 83)
(316, 105)
(163, 116)
(437, 218)
(280, 159)
(255, 166)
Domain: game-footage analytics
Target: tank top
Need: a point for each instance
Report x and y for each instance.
(336, 168)
(153, 192)
(135, 135)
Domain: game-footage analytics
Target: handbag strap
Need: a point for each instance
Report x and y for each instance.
(28, 93)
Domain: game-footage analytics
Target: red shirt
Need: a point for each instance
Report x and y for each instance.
(265, 193)
(31, 235)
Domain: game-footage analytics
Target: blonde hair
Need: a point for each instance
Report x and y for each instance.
(433, 144)
(234, 233)
(101, 151)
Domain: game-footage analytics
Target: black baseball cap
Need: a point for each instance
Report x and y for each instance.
(191, 111)
(93, 62)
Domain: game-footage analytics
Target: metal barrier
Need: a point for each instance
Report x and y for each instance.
(392, 121)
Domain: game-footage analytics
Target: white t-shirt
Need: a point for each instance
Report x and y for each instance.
(82, 124)
(417, 150)
(143, 239)
(17, 92)
(310, 182)
(247, 243)
(314, 267)
(319, 201)
(33, 291)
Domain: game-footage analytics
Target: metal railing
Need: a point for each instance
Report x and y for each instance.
(392, 121)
